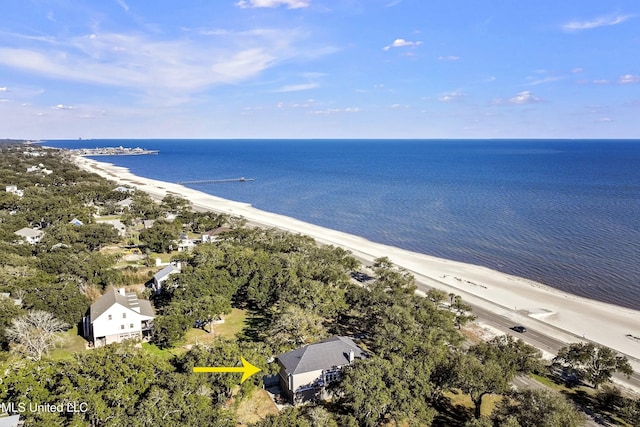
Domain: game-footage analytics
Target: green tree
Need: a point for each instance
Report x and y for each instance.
(161, 237)
(478, 379)
(514, 355)
(294, 327)
(8, 311)
(537, 408)
(593, 363)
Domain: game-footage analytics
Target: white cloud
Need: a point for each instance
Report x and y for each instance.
(535, 82)
(605, 120)
(298, 87)
(600, 82)
(629, 79)
(123, 5)
(521, 98)
(328, 111)
(4, 89)
(402, 43)
(577, 70)
(601, 21)
(449, 58)
(63, 107)
(291, 4)
(179, 66)
(451, 96)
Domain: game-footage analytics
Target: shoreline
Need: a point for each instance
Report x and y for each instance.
(564, 316)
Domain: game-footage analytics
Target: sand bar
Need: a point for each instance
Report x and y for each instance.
(558, 314)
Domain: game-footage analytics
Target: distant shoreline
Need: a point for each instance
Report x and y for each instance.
(561, 315)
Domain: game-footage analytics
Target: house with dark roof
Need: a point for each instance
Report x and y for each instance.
(305, 372)
(117, 316)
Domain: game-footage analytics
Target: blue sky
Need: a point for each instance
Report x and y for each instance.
(319, 69)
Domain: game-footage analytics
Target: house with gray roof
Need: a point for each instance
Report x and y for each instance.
(161, 276)
(29, 235)
(305, 372)
(117, 316)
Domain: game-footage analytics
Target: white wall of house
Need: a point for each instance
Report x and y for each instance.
(118, 323)
(305, 378)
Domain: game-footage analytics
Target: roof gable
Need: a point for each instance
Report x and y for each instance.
(162, 274)
(327, 354)
(128, 301)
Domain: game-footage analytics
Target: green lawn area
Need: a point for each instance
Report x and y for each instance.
(489, 402)
(69, 342)
(164, 354)
(164, 257)
(234, 323)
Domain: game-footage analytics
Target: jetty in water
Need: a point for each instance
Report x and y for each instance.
(216, 181)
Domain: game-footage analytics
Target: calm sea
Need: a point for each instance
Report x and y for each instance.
(562, 212)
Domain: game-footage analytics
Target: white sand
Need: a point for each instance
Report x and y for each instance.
(555, 313)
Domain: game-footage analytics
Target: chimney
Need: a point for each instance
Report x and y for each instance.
(352, 356)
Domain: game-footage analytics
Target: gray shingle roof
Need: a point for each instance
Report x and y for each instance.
(28, 232)
(323, 355)
(130, 301)
(169, 269)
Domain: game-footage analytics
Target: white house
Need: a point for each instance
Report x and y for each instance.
(161, 276)
(305, 372)
(14, 190)
(212, 235)
(29, 235)
(117, 224)
(117, 316)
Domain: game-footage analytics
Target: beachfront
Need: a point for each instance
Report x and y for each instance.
(563, 316)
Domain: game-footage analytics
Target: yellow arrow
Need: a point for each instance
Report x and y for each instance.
(247, 369)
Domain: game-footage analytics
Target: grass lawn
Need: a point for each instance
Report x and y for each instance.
(489, 402)
(164, 257)
(163, 354)
(234, 322)
(255, 407)
(70, 342)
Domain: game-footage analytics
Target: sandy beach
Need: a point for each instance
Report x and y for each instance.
(564, 316)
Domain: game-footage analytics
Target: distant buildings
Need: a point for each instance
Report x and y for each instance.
(14, 190)
(117, 316)
(305, 372)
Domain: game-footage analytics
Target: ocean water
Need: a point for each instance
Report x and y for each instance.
(562, 212)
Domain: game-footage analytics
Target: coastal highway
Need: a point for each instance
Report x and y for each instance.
(533, 337)
(540, 341)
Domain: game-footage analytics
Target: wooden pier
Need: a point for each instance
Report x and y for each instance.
(216, 181)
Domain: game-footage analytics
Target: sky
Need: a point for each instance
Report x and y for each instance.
(319, 69)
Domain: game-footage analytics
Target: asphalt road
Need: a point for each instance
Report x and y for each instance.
(538, 339)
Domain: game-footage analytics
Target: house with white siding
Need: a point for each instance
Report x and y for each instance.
(117, 316)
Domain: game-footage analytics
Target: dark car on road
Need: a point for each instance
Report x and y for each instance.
(520, 329)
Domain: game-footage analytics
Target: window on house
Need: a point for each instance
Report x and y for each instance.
(131, 325)
(110, 317)
(121, 326)
(124, 315)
